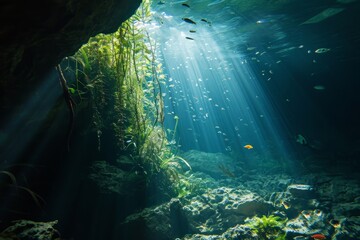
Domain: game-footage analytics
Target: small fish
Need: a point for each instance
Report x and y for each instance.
(335, 223)
(192, 31)
(248, 146)
(322, 50)
(161, 3)
(286, 204)
(205, 20)
(318, 236)
(319, 87)
(188, 20)
(189, 38)
(306, 214)
(185, 5)
(317, 212)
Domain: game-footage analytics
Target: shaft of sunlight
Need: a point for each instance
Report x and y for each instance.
(20, 129)
(214, 91)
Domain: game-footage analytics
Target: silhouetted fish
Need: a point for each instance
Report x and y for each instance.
(205, 20)
(192, 31)
(189, 38)
(186, 5)
(161, 3)
(188, 20)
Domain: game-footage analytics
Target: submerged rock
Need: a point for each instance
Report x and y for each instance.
(301, 191)
(112, 179)
(220, 209)
(307, 223)
(36, 35)
(165, 221)
(29, 230)
(216, 165)
(241, 202)
(210, 213)
(237, 232)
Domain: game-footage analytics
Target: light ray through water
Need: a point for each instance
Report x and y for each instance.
(216, 94)
(20, 129)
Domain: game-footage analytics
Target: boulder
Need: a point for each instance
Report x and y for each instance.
(221, 208)
(30, 230)
(307, 223)
(302, 191)
(112, 179)
(165, 221)
(210, 213)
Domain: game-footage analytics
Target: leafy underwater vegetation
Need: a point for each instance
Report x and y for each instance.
(267, 227)
(119, 76)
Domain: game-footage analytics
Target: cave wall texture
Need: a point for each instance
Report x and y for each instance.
(36, 35)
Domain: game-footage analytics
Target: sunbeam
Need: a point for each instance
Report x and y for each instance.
(191, 119)
(221, 104)
(20, 129)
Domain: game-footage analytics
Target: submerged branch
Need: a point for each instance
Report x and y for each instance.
(69, 102)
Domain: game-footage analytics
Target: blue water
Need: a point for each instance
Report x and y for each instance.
(245, 74)
(258, 73)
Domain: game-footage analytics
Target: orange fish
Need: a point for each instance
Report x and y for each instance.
(248, 146)
(335, 223)
(318, 236)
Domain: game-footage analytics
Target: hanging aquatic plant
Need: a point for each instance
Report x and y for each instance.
(121, 77)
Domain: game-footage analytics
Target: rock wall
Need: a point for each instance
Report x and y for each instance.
(36, 35)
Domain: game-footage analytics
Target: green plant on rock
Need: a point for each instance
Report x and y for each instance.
(121, 78)
(267, 227)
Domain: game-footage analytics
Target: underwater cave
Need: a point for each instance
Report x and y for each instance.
(190, 119)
